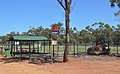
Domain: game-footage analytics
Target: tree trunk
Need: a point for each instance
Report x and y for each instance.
(67, 20)
(66, 7)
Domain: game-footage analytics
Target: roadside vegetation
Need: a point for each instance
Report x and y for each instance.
(109, 35)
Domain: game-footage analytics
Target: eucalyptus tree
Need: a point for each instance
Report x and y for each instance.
(85, 36)
(101, 32)
(66, 5)
(72, 39)
(31, 31)
(108, 32)
(36, 31)
(39, 30)
(24, 34)
(116, 36)
(46, 32)
(112, 4)
(2, 40)
(12, 34)
(116, 30)
(74, 35)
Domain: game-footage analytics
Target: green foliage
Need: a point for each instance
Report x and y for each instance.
(97, 31)
(85, 36)
(116, 35)
(113, 2)
(103, 32)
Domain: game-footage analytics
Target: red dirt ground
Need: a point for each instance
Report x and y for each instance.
(82, 65)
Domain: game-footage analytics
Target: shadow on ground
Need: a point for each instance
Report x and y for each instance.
(12, 59)
(32, 60)
(39, 60)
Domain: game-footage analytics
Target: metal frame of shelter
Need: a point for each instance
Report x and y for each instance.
(31, 40)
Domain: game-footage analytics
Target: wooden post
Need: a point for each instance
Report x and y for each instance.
(117, 49)
(33, 47)
(11, 49)
(14, 49)
(29, 50)
(49, 46)
(37, 46)
(21, 49)
(77, 47)
(44, 46)
(74, 49)
(53, 53)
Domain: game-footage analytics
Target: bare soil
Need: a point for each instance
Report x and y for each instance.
(79, 65)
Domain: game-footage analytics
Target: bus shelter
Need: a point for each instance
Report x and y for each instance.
(28, 45)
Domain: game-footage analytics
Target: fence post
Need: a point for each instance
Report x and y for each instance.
(21, 49)
(117, 49)
(74, 49)
(77, 47)
(85, 46)
(70, 47)
(49, 46)
(12, 49)
(29, 50)
(44, 46)
(53, 53)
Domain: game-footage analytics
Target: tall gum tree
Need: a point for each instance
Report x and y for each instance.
(66, 5)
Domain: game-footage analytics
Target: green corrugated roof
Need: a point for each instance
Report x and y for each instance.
(28, 38)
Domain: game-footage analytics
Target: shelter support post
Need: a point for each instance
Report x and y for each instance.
(44, 46)
(21, 49)
(29, 50)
